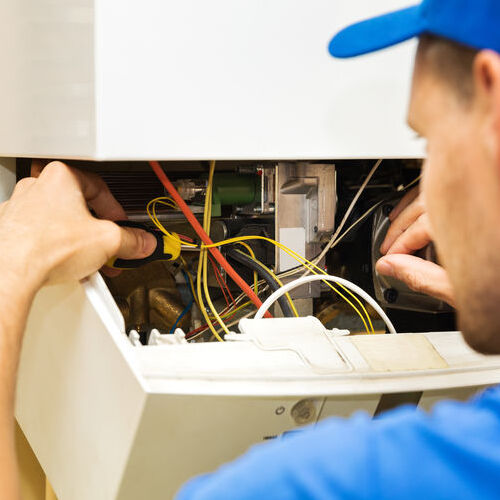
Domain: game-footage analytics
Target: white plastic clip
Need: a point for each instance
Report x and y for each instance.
(134, 338)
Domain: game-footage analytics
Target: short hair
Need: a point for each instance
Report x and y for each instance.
(451, 61)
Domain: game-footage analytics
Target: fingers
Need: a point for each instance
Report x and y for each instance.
(94, 189)
(420, 275)
(128, 243)
(408, 198)
(414, 238)
(22, 186)
(399, 225)
(136, 244)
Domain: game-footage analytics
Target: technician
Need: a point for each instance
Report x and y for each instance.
(454, 452)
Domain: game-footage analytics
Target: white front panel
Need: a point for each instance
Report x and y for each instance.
(246, 79)
(109, 421)
(226, 79)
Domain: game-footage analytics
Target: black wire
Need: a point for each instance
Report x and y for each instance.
(264, 274)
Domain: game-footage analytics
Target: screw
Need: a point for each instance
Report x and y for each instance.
(280, 410)
(391, 295)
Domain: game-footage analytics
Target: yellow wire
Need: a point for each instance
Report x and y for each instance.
(199, 294)
(255, 275)
(202, 263)
(287, 295)
(208, 321)
(309, 265)
(151, 211)
(232, 311)
(204, 257)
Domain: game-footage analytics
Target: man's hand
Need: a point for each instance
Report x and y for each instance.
(49, 234)
(409, 232)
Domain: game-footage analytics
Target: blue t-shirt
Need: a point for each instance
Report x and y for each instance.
(451, 453)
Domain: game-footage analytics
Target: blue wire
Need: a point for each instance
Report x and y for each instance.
(188, 307)
(182, 314)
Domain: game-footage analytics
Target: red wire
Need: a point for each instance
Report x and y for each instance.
(214, 322)
(219, 280)
(204, 236)
(205, 326)
(185, 238)
(199, 329)
(217, 272)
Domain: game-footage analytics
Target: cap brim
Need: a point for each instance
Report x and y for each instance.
(378, 33)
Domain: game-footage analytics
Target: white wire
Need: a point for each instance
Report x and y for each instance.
(346, 216)
(355, 223)
(323, 277)
(368, 212)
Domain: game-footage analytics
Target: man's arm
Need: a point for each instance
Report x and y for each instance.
(48, 235)
(15, 300)
(404, 454)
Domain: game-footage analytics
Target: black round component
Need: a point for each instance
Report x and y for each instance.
(391, 295)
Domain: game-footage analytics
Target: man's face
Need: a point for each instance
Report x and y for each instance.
(461, 187)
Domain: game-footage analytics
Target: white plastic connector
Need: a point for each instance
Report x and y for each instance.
(134, 338)
(178, 337)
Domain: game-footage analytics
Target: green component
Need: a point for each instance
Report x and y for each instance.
(234, 189)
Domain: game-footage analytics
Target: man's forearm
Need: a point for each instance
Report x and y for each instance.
(16, 297)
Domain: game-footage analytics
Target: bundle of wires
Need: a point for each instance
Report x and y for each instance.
(269, 281)
(272, 281)
(201, 232)
(310, 266)
(202, 263)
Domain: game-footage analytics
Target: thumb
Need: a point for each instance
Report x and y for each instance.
(133, 243)
(418, 274)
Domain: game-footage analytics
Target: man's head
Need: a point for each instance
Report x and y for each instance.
(455, 105)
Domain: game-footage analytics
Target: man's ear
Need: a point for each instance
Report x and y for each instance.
(486, 74)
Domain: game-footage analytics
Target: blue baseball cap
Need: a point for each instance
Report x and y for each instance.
(475, 23)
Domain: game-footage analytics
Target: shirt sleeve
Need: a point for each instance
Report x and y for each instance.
(452, 453)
